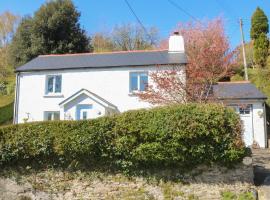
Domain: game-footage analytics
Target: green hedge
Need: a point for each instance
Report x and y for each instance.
(174, 136)
(6, 113)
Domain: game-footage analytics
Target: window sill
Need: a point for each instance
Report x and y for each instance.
(53, 96)
(134, 93)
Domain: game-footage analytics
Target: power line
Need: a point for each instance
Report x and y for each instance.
(183, 10)
(229, 10)
(140, 22)
(136, 16)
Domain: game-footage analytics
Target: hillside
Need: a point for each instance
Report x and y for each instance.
(6, 100)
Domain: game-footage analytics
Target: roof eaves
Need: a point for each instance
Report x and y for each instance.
(106, 67)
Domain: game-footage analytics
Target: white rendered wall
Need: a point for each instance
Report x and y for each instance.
(110, 84)
(69, 109)
(259, 127)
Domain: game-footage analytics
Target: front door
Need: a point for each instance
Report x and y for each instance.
(246, 117)
(245, 112)
(83, 111)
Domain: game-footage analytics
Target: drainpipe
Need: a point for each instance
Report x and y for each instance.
(16, 101)
(265, 126)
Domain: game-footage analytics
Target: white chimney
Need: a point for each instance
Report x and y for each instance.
(176, 43)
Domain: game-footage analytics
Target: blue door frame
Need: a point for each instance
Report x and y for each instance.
(82, 107)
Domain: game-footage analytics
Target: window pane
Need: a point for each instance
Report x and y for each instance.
(56, 116)
(245, 110)
(50, 84)
(133, 81)
(49, 116)
(58, 84)
(84, 115)
(143, 82)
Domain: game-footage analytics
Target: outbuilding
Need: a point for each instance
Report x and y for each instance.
(249, 102)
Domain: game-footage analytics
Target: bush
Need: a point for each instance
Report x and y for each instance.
(3, 88)
(174, 136)
(6, 113)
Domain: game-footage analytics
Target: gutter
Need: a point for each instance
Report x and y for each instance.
(99, 67)
(17, 89)
(254, 98)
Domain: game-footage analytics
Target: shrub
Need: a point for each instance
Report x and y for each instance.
(173, 136)
(6, 113)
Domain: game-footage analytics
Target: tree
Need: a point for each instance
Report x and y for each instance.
(102, 43)
(261, 45)
(209, 60)
(54, 29)
(126, 37)
(8, 24)
(259, 23)
(258, 32)
(133, 37)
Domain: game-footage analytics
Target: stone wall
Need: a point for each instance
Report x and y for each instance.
(201, 183)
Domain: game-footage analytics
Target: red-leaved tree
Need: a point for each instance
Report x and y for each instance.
(209, 60)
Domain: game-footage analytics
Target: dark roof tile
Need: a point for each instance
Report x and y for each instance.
(237, 90)
(103, 60)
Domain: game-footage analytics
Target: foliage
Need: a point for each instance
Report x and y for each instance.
(260, 77)
(259, 24)
(8, 24)
(125, 37)
(6, 113)
(102, 42)
(133, 37)
(227, 195)
(261, 45)
(209, 59)
(258, 32)
(249, 55)
(54, 29)
(175, 136)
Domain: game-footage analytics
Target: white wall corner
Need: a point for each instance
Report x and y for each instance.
(176, 43)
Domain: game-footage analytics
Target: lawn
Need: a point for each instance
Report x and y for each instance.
(6, 102)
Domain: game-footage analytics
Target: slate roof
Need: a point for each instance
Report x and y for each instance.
(102, 60)
(237, 90)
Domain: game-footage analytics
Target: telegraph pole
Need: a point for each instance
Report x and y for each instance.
(243, 47)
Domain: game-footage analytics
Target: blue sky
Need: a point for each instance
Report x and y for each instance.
(102, 15)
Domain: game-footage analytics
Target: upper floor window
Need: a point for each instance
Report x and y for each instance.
(138, 81)
(53, 84)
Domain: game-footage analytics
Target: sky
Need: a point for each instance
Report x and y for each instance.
(102, 15)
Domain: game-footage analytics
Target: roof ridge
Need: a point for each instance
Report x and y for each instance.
(101, 53)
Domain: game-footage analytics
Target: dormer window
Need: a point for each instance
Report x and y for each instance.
(138, 81)
(53, 84)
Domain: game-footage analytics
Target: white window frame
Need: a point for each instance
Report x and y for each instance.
(54, 84)
(139, 75)
(46, 113)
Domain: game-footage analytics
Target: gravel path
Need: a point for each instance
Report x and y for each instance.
(261, 165)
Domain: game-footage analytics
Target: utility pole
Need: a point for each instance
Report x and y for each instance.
(243, 47)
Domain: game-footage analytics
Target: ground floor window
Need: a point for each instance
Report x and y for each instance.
(51, 115)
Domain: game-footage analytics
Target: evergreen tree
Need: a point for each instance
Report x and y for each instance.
(259, 24)
(258, 32)
(54, 29)
(261, 45)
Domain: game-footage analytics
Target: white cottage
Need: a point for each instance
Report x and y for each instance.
(89, 85)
